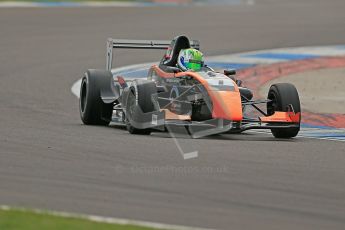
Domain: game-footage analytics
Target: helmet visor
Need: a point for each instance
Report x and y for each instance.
(194, 64)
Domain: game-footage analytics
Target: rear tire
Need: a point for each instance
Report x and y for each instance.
(281, 96)
(141, 96)
(93, 111)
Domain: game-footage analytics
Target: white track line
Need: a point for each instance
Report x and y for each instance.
(314, 50)
(108, 220)
(76, 88)
(309, 133)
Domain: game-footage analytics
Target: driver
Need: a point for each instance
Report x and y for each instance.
(190, 59)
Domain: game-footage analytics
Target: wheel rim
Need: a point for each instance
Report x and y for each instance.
(272, 106)
(131, 104)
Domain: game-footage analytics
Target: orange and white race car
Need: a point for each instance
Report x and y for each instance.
(201, 101)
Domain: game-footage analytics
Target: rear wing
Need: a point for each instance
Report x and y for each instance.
(139, 44)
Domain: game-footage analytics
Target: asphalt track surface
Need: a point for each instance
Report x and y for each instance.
(48, 159)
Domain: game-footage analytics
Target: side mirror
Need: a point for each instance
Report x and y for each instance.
(229, 72)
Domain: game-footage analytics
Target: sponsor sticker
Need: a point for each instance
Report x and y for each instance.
(154, 119)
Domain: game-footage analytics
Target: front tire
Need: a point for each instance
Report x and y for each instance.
(93, 111)
(281, 96)
(140, 95)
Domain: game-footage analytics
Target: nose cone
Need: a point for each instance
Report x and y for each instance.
(227, 105)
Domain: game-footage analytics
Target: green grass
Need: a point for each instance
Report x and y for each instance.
(27, 220)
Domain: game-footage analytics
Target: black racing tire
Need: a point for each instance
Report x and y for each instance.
(93, 111)
(141, 93)
(281, 96)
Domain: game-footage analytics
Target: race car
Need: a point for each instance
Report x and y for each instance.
(199, 100)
